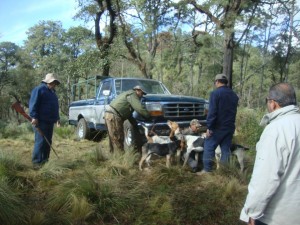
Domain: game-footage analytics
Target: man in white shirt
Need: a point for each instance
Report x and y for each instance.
(274, 189)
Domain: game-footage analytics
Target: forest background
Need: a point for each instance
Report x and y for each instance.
(184, 44)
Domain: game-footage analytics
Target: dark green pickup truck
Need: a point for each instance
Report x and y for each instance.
(87, 114)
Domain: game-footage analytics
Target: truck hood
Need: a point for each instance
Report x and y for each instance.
(170, 98)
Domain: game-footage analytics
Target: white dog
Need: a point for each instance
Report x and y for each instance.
(237, 150)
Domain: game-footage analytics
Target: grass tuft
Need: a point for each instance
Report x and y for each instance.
(12, 208)
(52, 169)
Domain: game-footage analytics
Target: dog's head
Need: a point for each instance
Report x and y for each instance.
(173, 125)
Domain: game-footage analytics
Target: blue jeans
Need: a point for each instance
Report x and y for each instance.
(41, 150)
(219, 137)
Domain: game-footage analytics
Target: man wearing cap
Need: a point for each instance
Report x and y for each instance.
(222, 110)
(44, 111)
(121, 109)
(193, 129)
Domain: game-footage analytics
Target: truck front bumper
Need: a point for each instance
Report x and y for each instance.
(162, 128)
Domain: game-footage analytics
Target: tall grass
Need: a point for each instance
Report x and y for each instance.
(66, 132)
(12, 208)
(89, 185)
(14, 130)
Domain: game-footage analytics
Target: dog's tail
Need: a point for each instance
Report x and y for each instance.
(146, 131)
(236, 146)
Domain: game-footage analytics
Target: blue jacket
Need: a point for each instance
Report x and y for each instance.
(223, 104)
(43, 104)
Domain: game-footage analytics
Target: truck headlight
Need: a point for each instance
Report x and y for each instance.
(155, 109)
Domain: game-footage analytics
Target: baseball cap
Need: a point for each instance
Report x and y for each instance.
(138, 87)
(221, 77)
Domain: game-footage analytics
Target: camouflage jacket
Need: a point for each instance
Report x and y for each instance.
(126, 103)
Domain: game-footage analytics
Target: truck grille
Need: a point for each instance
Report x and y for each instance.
(183, 110)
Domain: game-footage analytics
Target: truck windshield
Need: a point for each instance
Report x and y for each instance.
(150, 86)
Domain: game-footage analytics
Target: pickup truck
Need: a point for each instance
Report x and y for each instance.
(87, 114)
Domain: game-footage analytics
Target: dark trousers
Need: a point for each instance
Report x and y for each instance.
(41, 150)
(257, 222)
(219, 137)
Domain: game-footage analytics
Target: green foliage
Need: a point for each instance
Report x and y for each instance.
(64, 131)
(13, 130)
(248, 129)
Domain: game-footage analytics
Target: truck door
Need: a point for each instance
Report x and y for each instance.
(102, 99)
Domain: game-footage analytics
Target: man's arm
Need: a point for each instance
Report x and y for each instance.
(137, 106)
(33, 106)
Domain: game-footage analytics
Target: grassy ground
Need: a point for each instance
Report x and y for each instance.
(89, 185)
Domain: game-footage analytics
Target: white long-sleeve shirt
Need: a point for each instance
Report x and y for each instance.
(274, 190)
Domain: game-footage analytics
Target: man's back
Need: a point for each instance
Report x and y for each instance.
(222, 108)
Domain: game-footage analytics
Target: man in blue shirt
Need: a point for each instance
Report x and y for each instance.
(44, 111)
(222, 110)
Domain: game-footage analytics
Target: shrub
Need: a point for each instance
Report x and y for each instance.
(13, 130)
(248, 129)
(65, 132)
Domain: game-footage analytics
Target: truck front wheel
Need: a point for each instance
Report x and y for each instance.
(82, 131)
(129, 137)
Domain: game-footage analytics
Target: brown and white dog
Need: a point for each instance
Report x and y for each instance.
(165, 149)
(152, 137)
(196, 143)
(192, 142)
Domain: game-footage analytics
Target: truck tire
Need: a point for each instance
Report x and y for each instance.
(129, 136)
(82, 131)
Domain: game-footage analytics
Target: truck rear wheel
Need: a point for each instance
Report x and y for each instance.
(83, 131)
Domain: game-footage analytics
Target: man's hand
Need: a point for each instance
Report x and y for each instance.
(34, 122)
(208, 133)
(58, 123)
(251, 221)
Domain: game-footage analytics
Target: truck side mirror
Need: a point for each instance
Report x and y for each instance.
(106, 92)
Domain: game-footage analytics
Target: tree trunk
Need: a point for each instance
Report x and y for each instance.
(228, 56)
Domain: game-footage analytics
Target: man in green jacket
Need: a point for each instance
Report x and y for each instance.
(121, 109)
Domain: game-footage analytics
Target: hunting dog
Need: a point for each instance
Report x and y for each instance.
(196, 143)
(152, 137)
(237, 150)
(192, 142)
(165, 149)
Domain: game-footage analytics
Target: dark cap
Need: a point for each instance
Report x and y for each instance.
(221, 77)
(138, 87)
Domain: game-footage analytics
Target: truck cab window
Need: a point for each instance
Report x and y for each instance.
(106, 86)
